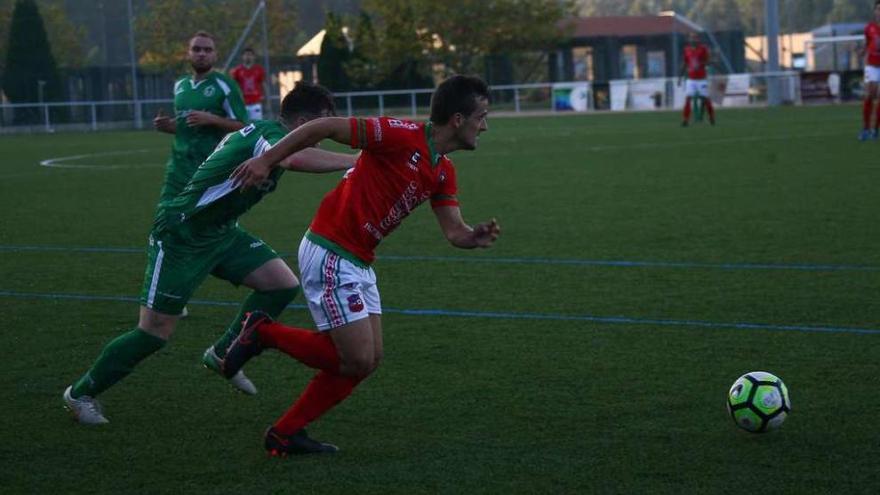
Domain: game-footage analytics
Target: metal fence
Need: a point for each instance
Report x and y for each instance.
(639, 94)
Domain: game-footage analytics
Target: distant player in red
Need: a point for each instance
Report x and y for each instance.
(402, 164)
(696, 58)
(872, 76)
(251, 78)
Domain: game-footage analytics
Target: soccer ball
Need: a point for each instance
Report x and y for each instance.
(758, 402)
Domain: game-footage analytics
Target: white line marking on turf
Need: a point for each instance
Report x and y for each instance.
(62, 161)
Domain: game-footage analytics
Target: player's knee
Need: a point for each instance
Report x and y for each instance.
(360, 365)
(157, 324)
(163, 329)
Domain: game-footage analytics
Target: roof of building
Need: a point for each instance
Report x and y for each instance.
(312, 48)
(646, 25)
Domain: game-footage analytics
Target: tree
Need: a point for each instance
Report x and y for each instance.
(65, 38)
(415, 38)
(847, 10)
(718, 15)
(29, 58)
(164, 27)
(334, 55)
(795, 15)
(362, 70)
(389, 48)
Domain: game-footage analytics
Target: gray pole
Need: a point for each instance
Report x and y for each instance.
(675, 67)
(244, 35)
(266, 58)
(771, 16)
(138, 120)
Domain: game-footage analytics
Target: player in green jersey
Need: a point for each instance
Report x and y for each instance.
(207, 105)
(196, 234)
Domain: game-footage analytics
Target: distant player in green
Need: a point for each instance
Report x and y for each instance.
(196, 234)
(207, 106)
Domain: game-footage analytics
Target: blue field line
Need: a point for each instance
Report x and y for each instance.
(611, 320)
(639, 264)
(517, 261)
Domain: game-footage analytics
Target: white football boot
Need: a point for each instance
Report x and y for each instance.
(239, 380)
(86, 410)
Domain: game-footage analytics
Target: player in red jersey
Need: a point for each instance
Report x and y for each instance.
(872, 76)
(402, 164)
(251, 78)
(696, 58)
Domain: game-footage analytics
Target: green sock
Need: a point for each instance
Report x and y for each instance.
(271, 302)
(116, 361)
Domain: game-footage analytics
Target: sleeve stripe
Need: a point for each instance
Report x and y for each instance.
(261, 147)
(228, 108)
(225, 87)
(362, 133)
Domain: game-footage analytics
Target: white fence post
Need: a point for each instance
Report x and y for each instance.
(94, 117)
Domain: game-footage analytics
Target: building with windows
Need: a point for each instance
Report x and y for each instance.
(601, 49)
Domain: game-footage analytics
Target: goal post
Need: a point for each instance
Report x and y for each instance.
(835, 53)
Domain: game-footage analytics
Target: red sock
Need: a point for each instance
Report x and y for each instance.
(687, 109)
(877, 121)
(866, 113)
(322, 393)
(710, 109)
(313, 349)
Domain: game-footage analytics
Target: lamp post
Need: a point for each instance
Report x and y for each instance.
(771, 16)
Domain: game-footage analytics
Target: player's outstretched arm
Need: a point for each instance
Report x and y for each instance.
(462, 235)
(318, 161)
(257, 169)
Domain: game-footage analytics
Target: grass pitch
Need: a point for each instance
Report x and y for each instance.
(642, 268)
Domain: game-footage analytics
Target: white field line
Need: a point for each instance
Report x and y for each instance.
(62, 161)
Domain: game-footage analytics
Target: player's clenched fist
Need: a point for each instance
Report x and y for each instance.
(486, 233)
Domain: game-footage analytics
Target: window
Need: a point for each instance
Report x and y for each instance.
(657, 63)
(629, 62)
(582, 57)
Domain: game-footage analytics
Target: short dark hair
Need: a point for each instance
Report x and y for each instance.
(248, 49)
(307, 99)
(457, 94)
(203, 34)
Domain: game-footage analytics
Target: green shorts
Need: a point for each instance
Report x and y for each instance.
(175, 269)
